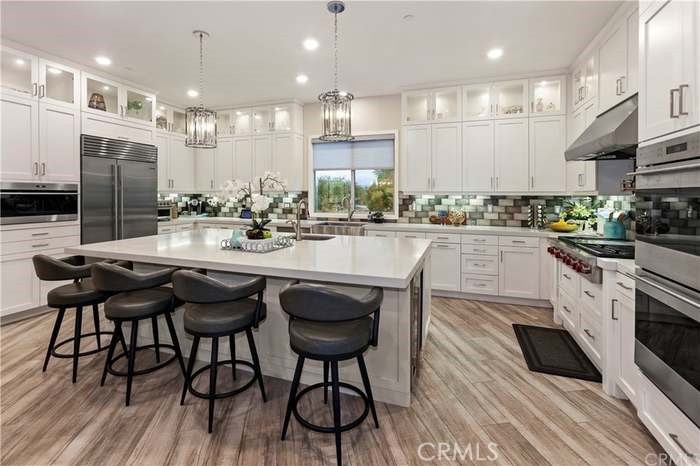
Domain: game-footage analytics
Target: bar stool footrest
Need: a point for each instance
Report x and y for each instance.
(103, 346)
(331, 429)
(147, 370)
(218, 396)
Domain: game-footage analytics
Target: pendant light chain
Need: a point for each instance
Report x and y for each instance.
(201, 70)
(335, 51)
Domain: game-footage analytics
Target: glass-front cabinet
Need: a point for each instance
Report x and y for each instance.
(284, 117)
(447, 104)
(169, 118)
(242, 121)
(19, 73)
(262, 120)
(547, 96)
(510, 99)
(416, 107)
(476, 102)
(426, 106)
(105, 97)
(58, 84)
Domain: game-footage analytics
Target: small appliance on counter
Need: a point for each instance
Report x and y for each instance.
(167, 211)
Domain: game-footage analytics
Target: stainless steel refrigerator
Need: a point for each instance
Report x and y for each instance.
(119, 189)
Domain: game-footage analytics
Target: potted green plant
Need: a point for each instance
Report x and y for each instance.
(581, 212)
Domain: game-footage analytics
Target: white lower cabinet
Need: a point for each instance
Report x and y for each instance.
(381, 234)
(516, 278)
(19, 285)
(568, 311)
(628, 375)
(590, 335)
(480, 284)
(445, 267)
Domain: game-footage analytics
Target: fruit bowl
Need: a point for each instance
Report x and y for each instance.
(563, 227)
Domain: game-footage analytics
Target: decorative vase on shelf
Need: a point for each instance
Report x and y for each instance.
(97, 101)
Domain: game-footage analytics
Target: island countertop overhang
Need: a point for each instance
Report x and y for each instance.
(351, 260)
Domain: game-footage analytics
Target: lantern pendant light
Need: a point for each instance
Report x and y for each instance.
(200, 123)
(335, 104)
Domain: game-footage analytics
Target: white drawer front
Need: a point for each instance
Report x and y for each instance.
(568, 311)
(482, 265)
(592, 296)
(410, 235)
(482, 240)
(38, 233)
(481, 284)
(444, 237)
(591, 336)
(569, 281)
(381, 234)
(186, 227)
(624, 285)
(523, 241)
(40, 244)
(485, 250)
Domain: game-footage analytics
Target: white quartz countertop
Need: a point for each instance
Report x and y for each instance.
(471, 230)
(352, 260)
(229, 221)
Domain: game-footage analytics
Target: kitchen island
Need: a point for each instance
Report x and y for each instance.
(352, 263)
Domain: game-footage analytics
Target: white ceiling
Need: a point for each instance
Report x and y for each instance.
(255, 49)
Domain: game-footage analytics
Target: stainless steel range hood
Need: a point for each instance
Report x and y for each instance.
(613, 135)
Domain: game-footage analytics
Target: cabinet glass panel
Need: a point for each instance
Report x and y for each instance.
(102, 96)
(477, 101)
(546, 96)
(447, 104)
(261, 120)
(179, 121)
(283, 119)
(59, 83)
(241, 122)
(509, 98)
(417, 107)
(16, 73)
(223, 123)
(139, 106)
(163, 117)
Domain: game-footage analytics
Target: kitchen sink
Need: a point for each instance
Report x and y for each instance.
(312, 237)
(339, 228)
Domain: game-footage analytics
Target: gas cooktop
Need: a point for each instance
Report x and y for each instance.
(600, 247)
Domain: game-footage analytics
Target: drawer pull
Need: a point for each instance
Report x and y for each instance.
(480, 285)
(479, 240)
(519, 241)
(476, 264)
(42, 245)
(566, 276)
(40, 234)
(674, 437)
(589, 294)
(442, 245)
(588, 332)
(442, 237)
(566, 309)
(629, 288)
(410, 236)
(479, 250)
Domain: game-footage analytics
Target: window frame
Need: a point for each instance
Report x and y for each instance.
(311, 179)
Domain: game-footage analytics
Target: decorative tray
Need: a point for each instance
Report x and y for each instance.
(259, 245)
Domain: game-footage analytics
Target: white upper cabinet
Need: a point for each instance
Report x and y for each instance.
(204, 169)
(20, 73)
(511, 155)
(584, 80)
(432, 105)
(279, 118)
(262, 155)
(288, 159)
(182, 165)
(59, 84)
(162, 142)
(415, 158)
(446, 157)
(110, 98)
(476, 102)
(169, 118)
(242, 158)
(262, 120)
(510, 99)
(547, 162)
(477, 156)
(223, 162)
(618, 61)
(547, 96)
(59, 143)
(669, 35)
(20, 136)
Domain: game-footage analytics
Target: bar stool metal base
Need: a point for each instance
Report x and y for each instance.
(330, 429)
(99, 349)
(218, 396)
(147, 370)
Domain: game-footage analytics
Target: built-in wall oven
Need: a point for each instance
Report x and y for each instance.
(38, 202)
(667, 256)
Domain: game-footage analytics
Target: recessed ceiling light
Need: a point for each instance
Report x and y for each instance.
(495, 54)
(54, 70)
(310, 44)
(192, 93)
(19, 61)
(302, 78)
(105, 88)
(104, 61)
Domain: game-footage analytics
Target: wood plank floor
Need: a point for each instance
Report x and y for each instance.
(474, 389)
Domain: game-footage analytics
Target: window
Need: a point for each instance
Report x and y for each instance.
(358, 173)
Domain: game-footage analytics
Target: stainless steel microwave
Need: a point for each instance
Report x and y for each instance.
(38, 202)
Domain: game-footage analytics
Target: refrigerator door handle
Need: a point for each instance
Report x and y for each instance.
(121, 200)
(115, 182)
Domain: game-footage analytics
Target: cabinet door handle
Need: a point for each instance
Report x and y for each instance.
(622, 285)
(532, 107)
(211, 184)
(442, 245)
(671, 93)
(532, 181)
(519, 241)
(674, 437)
(622, 82)
(612, 310)
(566, 276)
(496, 182)
(42, 91)
(617, 86)
(588, 332)
(589, 294)
(43, 169)
(40, 234)
(42, 245)
(479, 240)
(492, 183)
(501, 256)
(36, 168)
(681, 95)
(35, 89)
(566, 309)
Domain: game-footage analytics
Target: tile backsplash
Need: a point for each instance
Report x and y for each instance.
(283, 205)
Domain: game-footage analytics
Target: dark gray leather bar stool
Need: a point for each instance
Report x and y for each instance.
(137, 296)
(81, 293)
(219, 310)
(330, 326)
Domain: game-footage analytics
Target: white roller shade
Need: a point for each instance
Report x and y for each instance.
(370, 153)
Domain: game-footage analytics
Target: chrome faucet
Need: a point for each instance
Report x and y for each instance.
(296, 224)
(351, 212)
